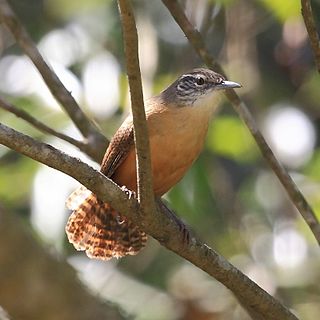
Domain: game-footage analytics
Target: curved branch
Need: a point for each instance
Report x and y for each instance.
(165, 230)
(97, 141)
(141, 136)
(292, 190)
(307, 15)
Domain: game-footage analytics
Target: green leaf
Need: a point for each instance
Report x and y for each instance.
(283, 9)
(228, 137)
(16, 176)
(312, 169)
(69, 8)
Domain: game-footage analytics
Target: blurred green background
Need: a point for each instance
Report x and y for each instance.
(230, 197)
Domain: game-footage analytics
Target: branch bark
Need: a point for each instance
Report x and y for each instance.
(96, 141)
(27, 271)
(165, 230)
(307, 15)
(41, 126)
(155, 223)
(141, 135)
(291, 188)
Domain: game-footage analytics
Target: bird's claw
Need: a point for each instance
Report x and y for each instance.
(186, 233)
(131, 194)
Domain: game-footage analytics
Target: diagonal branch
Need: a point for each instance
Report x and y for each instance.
(97, 141)
(43, 127)
(141, 136)
(163, 228)
(292, 190)
(307, 14)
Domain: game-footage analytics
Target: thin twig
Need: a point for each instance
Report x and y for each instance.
(294, 193)
(40, 125)
(307, 14)
(165, 230)
(58, 90)
(141, 136)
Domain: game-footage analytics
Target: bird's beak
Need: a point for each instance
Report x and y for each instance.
(227, 85)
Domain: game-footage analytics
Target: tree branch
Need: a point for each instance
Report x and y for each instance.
(307, 15)
(96, 141)
(292, 190)
(163, 228)
(43, 127)
(141, 135)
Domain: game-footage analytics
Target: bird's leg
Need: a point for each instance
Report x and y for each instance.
(131, 194)
(186, 234)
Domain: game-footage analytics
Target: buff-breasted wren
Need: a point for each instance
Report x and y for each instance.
(178, 120)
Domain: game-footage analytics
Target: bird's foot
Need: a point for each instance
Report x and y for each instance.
(186, 233)
(131, 194)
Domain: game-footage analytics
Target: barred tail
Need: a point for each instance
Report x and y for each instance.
(99, 230)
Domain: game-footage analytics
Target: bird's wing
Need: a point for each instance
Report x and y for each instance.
(118, 149)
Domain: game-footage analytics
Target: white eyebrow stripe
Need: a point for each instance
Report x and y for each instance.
(187, 75)
(193, 75)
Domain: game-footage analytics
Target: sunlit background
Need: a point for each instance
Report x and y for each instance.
(230, 197)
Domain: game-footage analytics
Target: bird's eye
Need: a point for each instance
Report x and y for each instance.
(200, 81)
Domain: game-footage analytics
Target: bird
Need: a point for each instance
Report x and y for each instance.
(177, 120)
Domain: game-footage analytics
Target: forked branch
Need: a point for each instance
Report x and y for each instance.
(96, 141)
(155, 223)
(163, 228)
(289, 185)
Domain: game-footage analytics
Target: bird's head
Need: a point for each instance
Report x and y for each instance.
(198, 88)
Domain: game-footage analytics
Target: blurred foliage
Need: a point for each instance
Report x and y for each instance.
(229, 197)
(236, 144)
(283, 10)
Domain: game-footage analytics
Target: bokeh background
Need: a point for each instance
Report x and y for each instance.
(230, 197)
